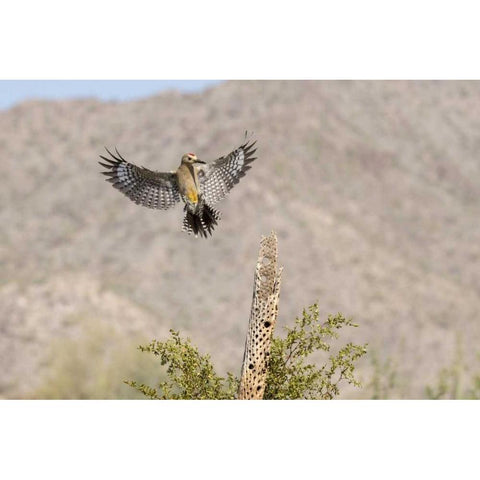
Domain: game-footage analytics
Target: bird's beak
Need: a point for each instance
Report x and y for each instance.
(199, 161)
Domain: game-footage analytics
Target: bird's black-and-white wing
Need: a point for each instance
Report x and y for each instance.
(143, 186)
(218, 177)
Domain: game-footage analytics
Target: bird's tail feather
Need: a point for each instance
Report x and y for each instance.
(202, 222)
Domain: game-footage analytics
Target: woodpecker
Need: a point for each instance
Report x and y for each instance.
(197, 183)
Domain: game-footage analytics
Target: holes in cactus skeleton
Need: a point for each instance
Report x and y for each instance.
(267, 324)
(266, 261)
(250, 366)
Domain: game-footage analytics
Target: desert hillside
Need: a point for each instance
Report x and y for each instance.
(372, 187)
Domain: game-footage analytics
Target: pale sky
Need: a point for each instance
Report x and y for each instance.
(15, 91)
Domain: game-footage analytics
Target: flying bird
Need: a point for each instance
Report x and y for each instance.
(199, 184)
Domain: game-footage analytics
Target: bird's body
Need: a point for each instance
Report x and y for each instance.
(197, 183)
(199, 217)
(187, 178)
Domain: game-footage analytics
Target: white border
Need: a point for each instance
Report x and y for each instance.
(215, 39)
(214, 439)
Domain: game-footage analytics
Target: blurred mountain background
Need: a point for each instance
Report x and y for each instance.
(372, 188)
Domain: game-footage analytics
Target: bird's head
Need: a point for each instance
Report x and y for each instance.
(190, 159)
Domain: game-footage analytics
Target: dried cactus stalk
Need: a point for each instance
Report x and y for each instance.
(263, 317)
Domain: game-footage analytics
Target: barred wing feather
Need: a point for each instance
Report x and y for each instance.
(143, 186)
(219, 177)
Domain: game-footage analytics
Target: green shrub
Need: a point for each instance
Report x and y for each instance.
(191, 375)
(452, 380)
(290, 376)
(92, 364)
(385, 379)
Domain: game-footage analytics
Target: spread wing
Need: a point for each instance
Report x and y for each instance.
(141, 185)
(219, 177)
